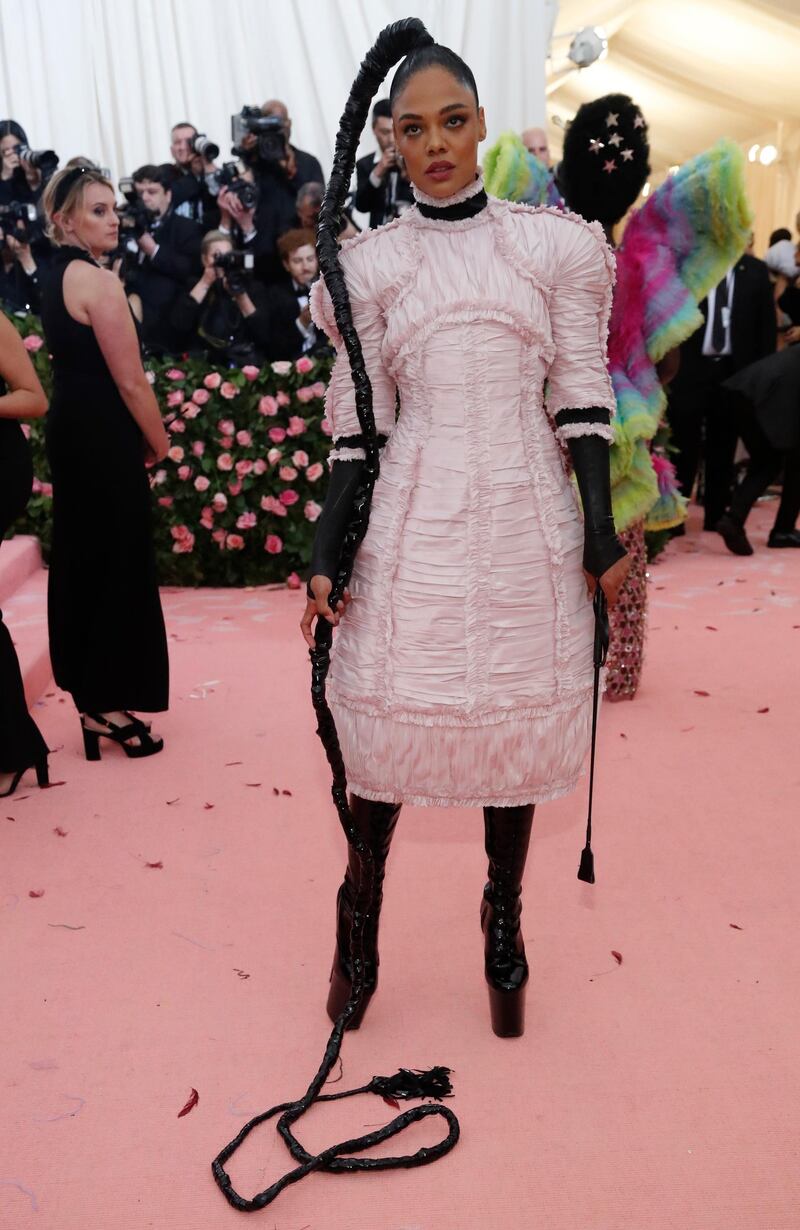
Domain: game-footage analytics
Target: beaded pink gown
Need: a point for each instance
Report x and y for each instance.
(462, 670)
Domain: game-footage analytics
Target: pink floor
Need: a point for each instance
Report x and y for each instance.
(662, 1092)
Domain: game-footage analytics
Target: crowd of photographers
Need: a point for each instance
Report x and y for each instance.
(217, 257)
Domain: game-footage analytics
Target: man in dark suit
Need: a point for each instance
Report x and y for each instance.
(382, 190)
(169, 256)
(292, 332)
(740, 327)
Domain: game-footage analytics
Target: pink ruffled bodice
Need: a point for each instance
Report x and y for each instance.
(462, 671)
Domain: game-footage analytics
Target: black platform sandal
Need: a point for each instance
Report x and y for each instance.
(136, 729)
(42, 776)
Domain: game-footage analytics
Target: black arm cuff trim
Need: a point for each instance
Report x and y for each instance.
(356, 441)
(592, 414)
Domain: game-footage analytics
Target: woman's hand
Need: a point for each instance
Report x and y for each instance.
(318, 606)
(155, 452)
(611, 581)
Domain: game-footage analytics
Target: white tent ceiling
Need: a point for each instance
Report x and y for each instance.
(699, 69)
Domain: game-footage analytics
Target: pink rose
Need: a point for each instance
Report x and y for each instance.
(244, 438)
(174, 397)
(319, 388)
(220, 502)
(246, 521)
(227, 427)
(190, 411)
(184, 539)
(184, 472)
(244, 467)
(207, 518)
(175, 453)
(300, 459)
(271, 505)
(159, 477)
(175, 373)
(283, 399)
(226, 441)
(219, 537)
(305, 394)
(234, 488)
(33, 342)
(200, 396)
(287, 473)
(46, 489)
(282, 368)
(234, 542)
(326, 427)
(293, 581)
(177, 425)
(224, 462)
(201, 483)
(213, 380)
(150, 377)
(303, 365)
(277, 434)
(273, 456)
(296, 426)
(198, 448)
(288, 497)
(314, 471)
(268, 406)
(259, 466)
(312, 510)
(180, 532)
(228, 390)
(273, 544)
(165, 501)
(251, 373)
(26, 430)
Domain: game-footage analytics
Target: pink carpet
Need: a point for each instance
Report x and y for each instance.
(182, 929)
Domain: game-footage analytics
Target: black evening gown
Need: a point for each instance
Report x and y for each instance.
(21, 744)
(107, 639)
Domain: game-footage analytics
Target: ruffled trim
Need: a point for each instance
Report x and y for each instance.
(506, 800)
(571, 431)
(346, 454)
(460, 718)
(463, 194)
(463, 312)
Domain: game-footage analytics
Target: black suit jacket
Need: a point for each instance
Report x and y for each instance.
(753, 322)
(377, 201)
(285, 339)
(160, 279)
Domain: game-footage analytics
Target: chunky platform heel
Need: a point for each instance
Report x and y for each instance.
(508, 832)
(136, 729)
(375, 823)
(42, 776)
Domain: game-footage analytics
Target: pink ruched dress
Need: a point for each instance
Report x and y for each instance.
(462, 670)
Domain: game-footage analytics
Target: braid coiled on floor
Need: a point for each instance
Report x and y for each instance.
(392, 44)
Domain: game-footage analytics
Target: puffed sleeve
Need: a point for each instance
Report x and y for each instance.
(580, 397)
(340, 400)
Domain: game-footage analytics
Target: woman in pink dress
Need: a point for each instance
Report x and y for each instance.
(461, 672)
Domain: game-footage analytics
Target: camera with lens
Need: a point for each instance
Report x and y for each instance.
(236, 267)
(20, 220)
(44, 160)
(230, 178)
(134, 218)
(271, 132)
(200, 144)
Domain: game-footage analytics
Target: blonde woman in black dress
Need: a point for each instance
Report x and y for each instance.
(107, 637)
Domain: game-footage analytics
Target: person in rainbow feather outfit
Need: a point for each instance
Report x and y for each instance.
(675, 248)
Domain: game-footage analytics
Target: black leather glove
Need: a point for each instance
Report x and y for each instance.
(601, 546)
(333, 520)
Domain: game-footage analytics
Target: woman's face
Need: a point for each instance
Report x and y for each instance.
(8, 152)
(94, 225)
(437, 130)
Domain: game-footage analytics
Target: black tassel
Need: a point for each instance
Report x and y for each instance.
(586, 869)
(405, 1084)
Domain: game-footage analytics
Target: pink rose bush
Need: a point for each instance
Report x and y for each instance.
(237, 497)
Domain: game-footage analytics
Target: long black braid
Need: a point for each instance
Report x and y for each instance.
(392, 44)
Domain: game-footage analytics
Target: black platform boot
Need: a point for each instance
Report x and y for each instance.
(375, 823)
(508, 833)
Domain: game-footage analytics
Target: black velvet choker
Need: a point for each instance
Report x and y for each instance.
(458, 212)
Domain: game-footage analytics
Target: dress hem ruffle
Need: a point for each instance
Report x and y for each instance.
(422, 800)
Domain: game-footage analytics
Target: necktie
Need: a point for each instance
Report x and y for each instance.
(718, 328)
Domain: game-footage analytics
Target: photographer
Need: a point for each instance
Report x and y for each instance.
(195, 172)
(19, 270)
(224, 316)
(169, 255)
(23, 171)
(382, 188)
(308, 205)
(291, 329)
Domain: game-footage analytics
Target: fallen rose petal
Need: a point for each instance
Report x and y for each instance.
(36, 892)
(711, 628)
(287, 792)
(275, 790)
(697, 692)
(622, 735)
(617, 956)
(50, 785)
(252, 783)
(736, 926)
(228, 763)
(194, 1098)
(765, 710)
(208, 806)
(158, 865)
(59, 832)
(171, 801)
(391, 1101)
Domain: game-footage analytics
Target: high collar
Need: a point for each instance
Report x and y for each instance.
(465, 203)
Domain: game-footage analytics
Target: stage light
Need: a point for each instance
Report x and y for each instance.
(768, 155)
(753, 153)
